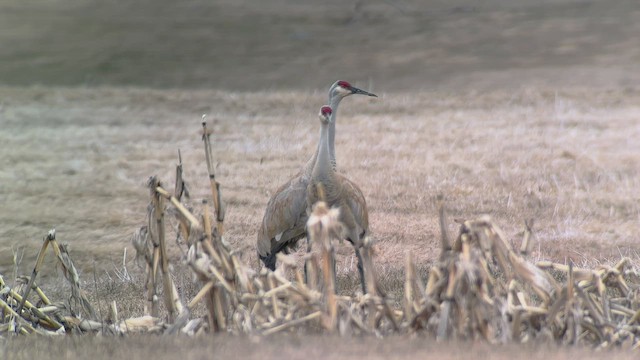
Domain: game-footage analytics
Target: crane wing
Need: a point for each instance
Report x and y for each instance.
(355, 200)
(285, 217)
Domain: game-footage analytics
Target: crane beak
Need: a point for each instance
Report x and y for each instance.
(355, 90)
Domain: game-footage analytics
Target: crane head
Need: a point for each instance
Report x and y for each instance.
(343, 88)
(325, 114)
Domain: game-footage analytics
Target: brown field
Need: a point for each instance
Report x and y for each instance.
(292, 347)
(466, 110)
(78, 160)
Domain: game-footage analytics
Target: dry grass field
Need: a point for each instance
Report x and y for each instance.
(518, 111)
(78, 159)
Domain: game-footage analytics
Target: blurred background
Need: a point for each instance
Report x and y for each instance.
(384, 45)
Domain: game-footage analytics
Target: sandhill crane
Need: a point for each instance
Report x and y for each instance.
(339, 192)
(283, 223)
(338, 91)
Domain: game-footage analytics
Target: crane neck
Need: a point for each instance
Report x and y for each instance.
(334, 101)
(323, 169)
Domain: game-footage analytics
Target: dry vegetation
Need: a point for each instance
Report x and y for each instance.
(77, 160)
(466, 287)
(524, 111)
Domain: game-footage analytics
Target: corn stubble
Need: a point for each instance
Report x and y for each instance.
(478, 289)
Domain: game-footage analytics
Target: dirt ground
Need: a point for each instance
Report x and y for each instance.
(520, 110)
(293, 347)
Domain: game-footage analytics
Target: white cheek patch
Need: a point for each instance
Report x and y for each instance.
(344, 91)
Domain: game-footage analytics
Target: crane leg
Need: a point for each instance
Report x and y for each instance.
(306, 279)
(361, 270)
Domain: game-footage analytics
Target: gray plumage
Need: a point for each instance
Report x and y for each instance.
(340, 193)
(285, 216)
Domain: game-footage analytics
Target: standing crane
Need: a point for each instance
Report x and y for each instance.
(339, 192)
(285, 217)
